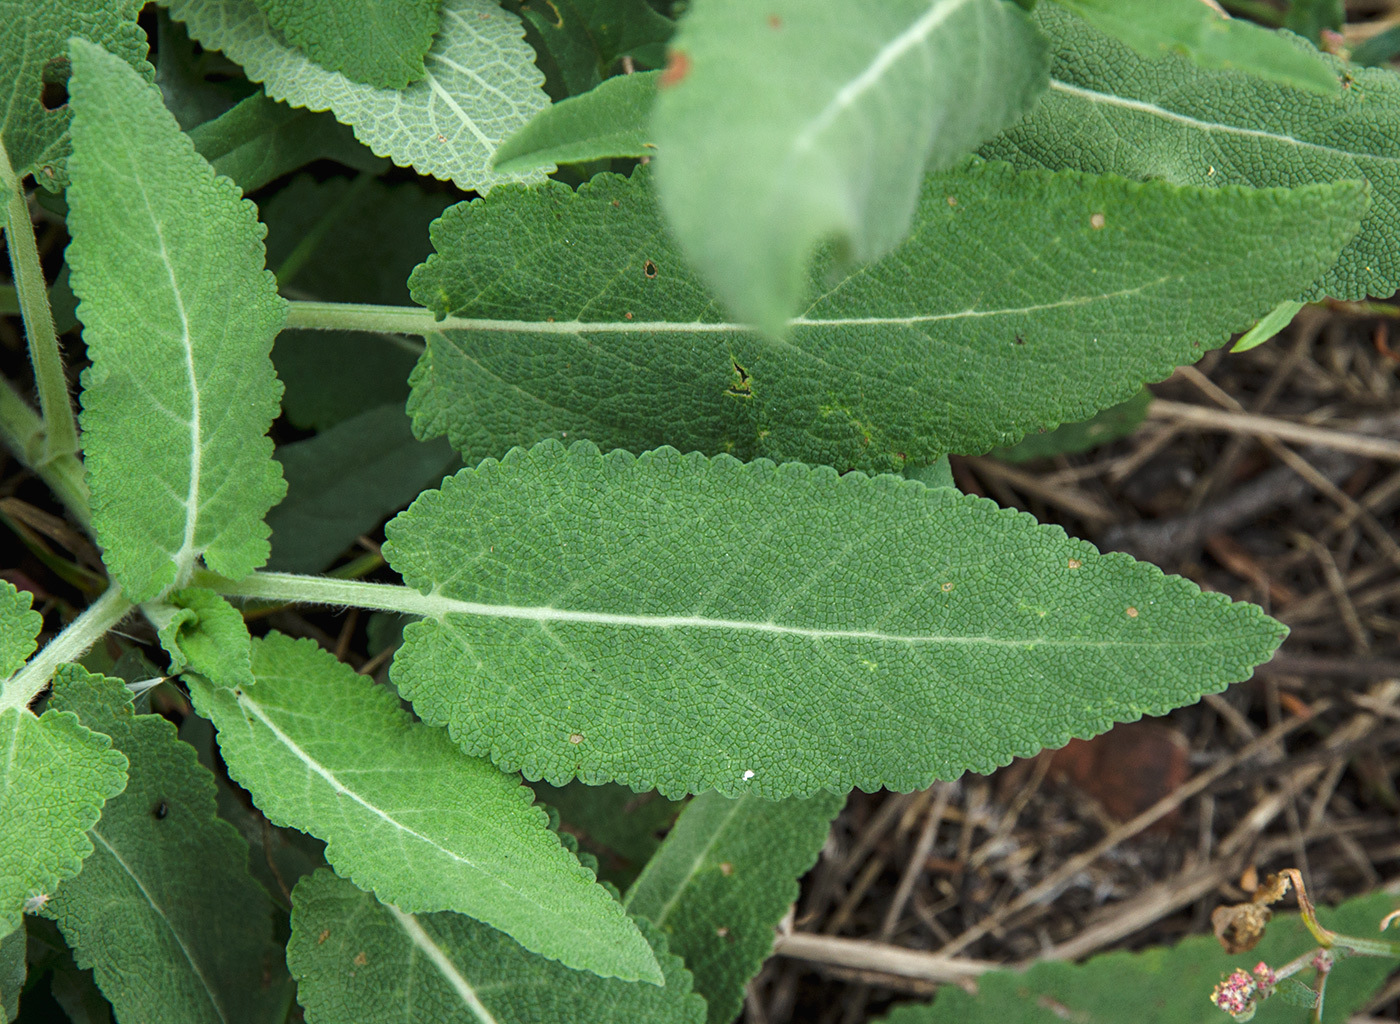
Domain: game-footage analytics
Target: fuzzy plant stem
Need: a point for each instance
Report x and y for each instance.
(69, 645)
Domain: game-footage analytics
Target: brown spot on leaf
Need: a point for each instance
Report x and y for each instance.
(361, 959)
(946, 587)
(575, 738)
(775, 22)
(1132, 613)
(1096, 221)
(726, 869)
(1075, 563)
(677, 67)
(952, 201)
(325, 934)
(1240, 927)
(627, 315)
(649, 269)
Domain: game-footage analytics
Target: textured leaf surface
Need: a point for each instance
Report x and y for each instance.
(1114, 422)
(12, 972)
(19, 626)
(181, 392)
(33, 51)
(203, 632)
(722, 881)
(614, 824)
(404, 814)
(612, 119)
(481, 85)
(689, 624)
(346, 481)
(57, 774)
(378, 42)
(783, 124)
(1211, 39)
(1109, 111)
(904, 361)
(164, 911)
(357, 959)
(1166, 984)
(577, 41)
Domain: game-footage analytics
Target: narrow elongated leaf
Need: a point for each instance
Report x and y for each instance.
(377, 42)
(928, 351)
(33, 53)
(481, 85)
(1209, 38)
(1166, 984)
(722, 881)
(181, 392)
(1110, 111)
(611, 119)
(783, 124)
(690, 624)
(356, 959)
(164, 911)
(404, 814)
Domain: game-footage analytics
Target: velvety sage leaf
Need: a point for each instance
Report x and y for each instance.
(346, 481)
(406, 815)
(203, 632)
(1110, 111)
(576, 42)
(378, 42)
(1058, 316)
(356, 959)
(164, 911)
(19, 626)
(13, 968)
(784, 124)
(722, 881)
(689, 624)
(33, 54)
(1164, 984)
(1112, 423)
(610, 120)
(1209, 38)
(260, 140)
(181, 392)
(481, 85)
(619, 827)
(57, 775)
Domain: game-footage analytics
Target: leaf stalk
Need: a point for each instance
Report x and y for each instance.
(72, 643)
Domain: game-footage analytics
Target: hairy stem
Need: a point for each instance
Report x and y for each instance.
(22, 432)
(60, 425)
(72, 643)
(351, 316)
(285, 586)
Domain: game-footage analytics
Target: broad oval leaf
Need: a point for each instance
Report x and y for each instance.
(406, 815)
(481, 85)
(681, 623)
(356, 959)
(1110, 111)
(178, 315)
(378, 42)
(783, 124)
(1022, 300)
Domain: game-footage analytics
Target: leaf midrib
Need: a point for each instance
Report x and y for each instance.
(420, 938)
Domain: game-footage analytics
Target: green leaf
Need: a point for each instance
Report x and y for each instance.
(13, 968)
(346, 481)
(576, 42)
(57, 775)
(612, 119)
(181, 392)
(1269, 325)
(19, 628)
(722, 881)
(260, 140)
(690, 624)
(203, 632)
(1109, 111)
(1165, 984)
(613, 823)
(1309, 18)
(378, 42)
(34, 53)
(164, 911)
(481, 85)
(357, 959)
(877, 373)
(1209, 38)
(404, 814)
(785, 124)
(1112, 423)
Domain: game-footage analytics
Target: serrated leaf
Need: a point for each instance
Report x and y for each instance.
(1109, 111)
(13, 969)
(164, 911)
(203, 632)
(356, 959)
(786, 124)
(722, 881)
(619, 827)
(346, 481)
(610, 120)
(1165, 984)
(908, 359)
(691, 624)
(19, 627)
(57, 775)
(1112, 423)
(404, 814)
(379, 42)
(181, 392)
(34, 53)
(481, 85)
(1209, 38)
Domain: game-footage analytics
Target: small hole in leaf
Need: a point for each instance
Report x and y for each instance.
(946, 587)
(1020, 340)
(649, 268)
(160, 810)
(55, 74)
